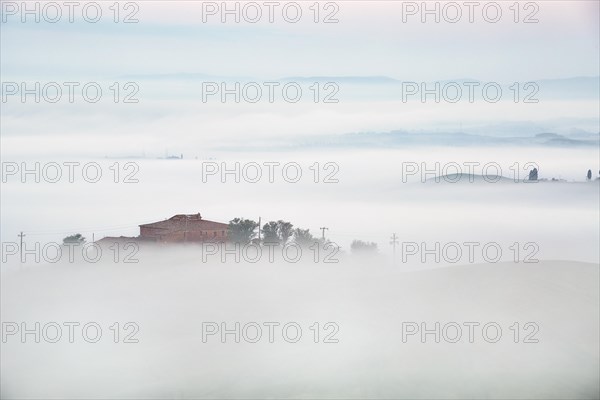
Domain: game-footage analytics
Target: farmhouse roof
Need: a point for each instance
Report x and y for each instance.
(186, 222)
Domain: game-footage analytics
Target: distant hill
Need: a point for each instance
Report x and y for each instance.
(469, 178)
(567, 88)
(359, 80)
(401, 138)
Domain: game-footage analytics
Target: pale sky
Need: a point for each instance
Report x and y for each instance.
(369, 39)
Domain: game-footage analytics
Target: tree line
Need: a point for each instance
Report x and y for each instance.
(242, 230)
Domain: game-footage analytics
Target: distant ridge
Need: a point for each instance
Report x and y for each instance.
(469, 178)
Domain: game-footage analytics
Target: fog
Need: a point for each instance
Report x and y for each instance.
(365, 195)
(170, 293)
(442, 176)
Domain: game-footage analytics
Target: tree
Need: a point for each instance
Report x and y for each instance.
(303, 237)
(277, 232)
(241, 230)
(285, 230)
(589, 174)
(533, 175)
(271, 232)
(358, 246)
(77, 239)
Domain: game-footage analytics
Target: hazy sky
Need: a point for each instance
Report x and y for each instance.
(375, 38)
(369, 39)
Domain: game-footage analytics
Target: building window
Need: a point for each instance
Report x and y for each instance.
(214, 234)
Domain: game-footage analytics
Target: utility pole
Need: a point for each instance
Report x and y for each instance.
(394, 242)
(259, 231)
(21, 236)
(323, 229)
